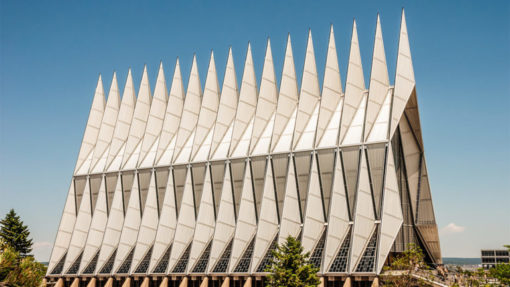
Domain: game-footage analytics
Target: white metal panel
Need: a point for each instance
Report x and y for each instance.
(93, 125)
(97, 227)
(314, 215)
(172, 118)
(291, 216)
(379, 130)
(130, 228)
(207, 117)
(246, 221)
(122, 125)
(309, 96)
(65, 229)
(391, 219)
(330, 105)
(285, 140)
(166, 225)
(156, 118)
(190, 113)
(226, 112)
(330, 135)
(243, 123)
(412, 157)
(85, 167)
(148, 226)
(81, 228)
(105, 135)
(113, 227)
(225, 223)
(364, 216)
(139, 122)
(266, 107)
(354, 86)
(204, 228)
(379, 81)
(287, 103)
(404, 77)
(185, 223)
(267, 228)
(338, 222)
(355, 131)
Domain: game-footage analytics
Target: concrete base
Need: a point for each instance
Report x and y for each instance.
(164, 283)
(205, 282)
(127, 282)
(347, 282)
(226, 282)
(184, 282)
(247, 283)
(60, 283)
(109, 283)
(375, 283)
(322, 282)
(92, 283)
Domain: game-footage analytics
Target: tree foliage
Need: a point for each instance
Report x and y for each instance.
(17, 271)
(402, 270)
(15, 234)
(502, 273)
(291, 267)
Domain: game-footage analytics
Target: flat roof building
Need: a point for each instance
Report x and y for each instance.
(491, 258)
(197, 186)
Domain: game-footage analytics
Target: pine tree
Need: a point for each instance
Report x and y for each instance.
(290, 267)
(15, 234)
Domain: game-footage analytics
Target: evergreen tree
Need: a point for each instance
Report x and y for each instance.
(290, 267)
(15, 234)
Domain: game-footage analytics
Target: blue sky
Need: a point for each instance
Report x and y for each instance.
(51, 53)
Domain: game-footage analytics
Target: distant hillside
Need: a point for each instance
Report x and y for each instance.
(461, 261)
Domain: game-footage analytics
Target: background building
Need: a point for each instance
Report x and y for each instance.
(491, 258)
(197, 186)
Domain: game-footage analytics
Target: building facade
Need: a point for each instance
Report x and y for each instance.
(195, 187)
(491, 258)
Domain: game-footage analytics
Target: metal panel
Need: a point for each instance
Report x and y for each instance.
(243, 124)
(331, 105)
(379, 81)
(354, 86)
(138, 124)
(93, 125)
(338, 221)
(364, 218)
(172, 118)
(287, 105)
(148, 226)
(185, 224)
(189, 117)
(314, 220)
(266, 107)
(154, 122)
(308, 107)
(268, 222)
(108, 122)
(291, 215)
(113, 227)
(205, 125)
(166, 225)
(226, 112)
(122, 125)
(404, 77)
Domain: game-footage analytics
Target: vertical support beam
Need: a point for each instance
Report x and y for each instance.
(322, 282)
(109, 283)
(92, 283)
(145, 282)
(127, 282)
(76, 282)
(164, 283)
(347, 282)
(184, 282)
(205, 282)
(226, 282)
(247, 283)
(375, 283)
(60, 282)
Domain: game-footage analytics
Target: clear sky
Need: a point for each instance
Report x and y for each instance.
(51, 53)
